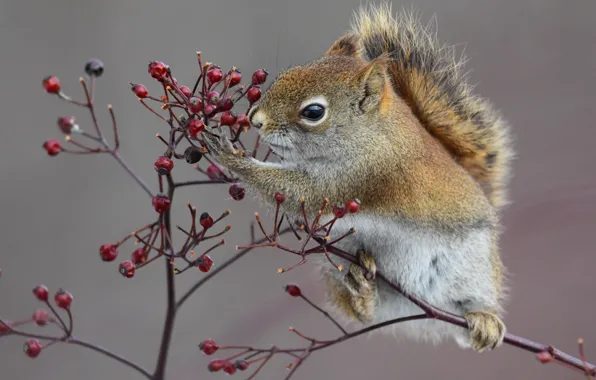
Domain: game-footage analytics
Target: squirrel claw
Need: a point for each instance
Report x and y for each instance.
(486, 330)
(361, 287)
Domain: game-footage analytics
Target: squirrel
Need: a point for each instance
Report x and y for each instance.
(386, 116)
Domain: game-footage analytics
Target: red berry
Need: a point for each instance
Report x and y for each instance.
(235, 78)
(228, 118)
(32, 348)
(41, 292)
(226, 104)
(68, 124)
(52, 84)
(206, 220)
(195, 126)
(259, 77)
(158, 70)
(186, 91)
(353, 206)
(108, 252)
(161, 203)
(5, 326)
(339, 211)
(216, 365)
(52, 147)
(40, 317)
(195, 105)
(204, 263)
(243, 121)
(63, 299)
(293, 290)
(209, 347)
(138, 256)
(214, 75)
(236, 191)
(279, 197)
(242, 365)
(253, 94)
(140, 91)
(229, 368)
(213, 97)
(209, 108)
(214, 172)
(163, 165)
(127, 269)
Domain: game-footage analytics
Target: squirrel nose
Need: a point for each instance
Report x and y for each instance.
(256, 118)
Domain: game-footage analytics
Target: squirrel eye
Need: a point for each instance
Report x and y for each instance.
(313, 112)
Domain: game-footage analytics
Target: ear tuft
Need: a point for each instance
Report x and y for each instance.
(347, 45)
(373, 80)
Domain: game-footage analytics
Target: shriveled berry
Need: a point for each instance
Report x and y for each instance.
(186, 91)
(108, 252)
(195, 126)
(242, 365)
(279, 197)
(293, 290)
(339, 211)
(158, 70)
(192, 154)
(63, 299)
(163, 165)
(229, 368)
(204, 263)
(235, 78)
(237, 192)
(94, 67)
(32, 348)
(52, 84)
(225, 104)
(213, 97)
(214, 172)
(206, 220)
(253, 94)
(353, 205)
(228, 118)
(40, 317)
(140, 90)
(5, 326)
(41, 292)
(195, 105)
(216, 365)
(138, 256)
(259, 77)
(68, 124)
(209, 347)
(214, 75)
(127, 269)
(52, 147)
(161, 203)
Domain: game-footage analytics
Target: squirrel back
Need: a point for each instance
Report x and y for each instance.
(429, 78)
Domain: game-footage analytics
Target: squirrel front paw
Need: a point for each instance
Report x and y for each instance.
(486, 330)
(221, 148)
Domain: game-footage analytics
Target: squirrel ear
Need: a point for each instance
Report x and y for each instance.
(347, 45)
(373, 80)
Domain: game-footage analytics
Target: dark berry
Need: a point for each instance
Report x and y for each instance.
(161, 203)
(195, 126)
(158, 70)
(225, 104)
(253, 94)
(259, 77)
(108, 252)
(242, 365)
(339, 211)
(228, 118)
(236, 191)
(235, 78)
(163, 165)
(192, 154)
(52, 147)
(195, 105)
(293, 290)
(229, 368)
(209, 347)
(63, 299)
(138, 256)
(52, 84)
(206, 220)
(213, 97)
(68, 124)
(32, 348)
(41, 317)
(279, 197)
(127, 269)
(204, 263)
(216, 365)
(214, 75)
(41, 292)
(214, 172)
(94, 67)
(353, 206)
(186, 91)
(140, 90)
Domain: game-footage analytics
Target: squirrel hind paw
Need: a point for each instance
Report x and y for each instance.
(486, 330)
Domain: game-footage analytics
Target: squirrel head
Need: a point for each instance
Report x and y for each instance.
(314, 110)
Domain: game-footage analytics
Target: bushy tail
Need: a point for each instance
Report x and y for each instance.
(429, 77)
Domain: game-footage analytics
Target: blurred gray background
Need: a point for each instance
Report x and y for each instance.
(534, 58)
